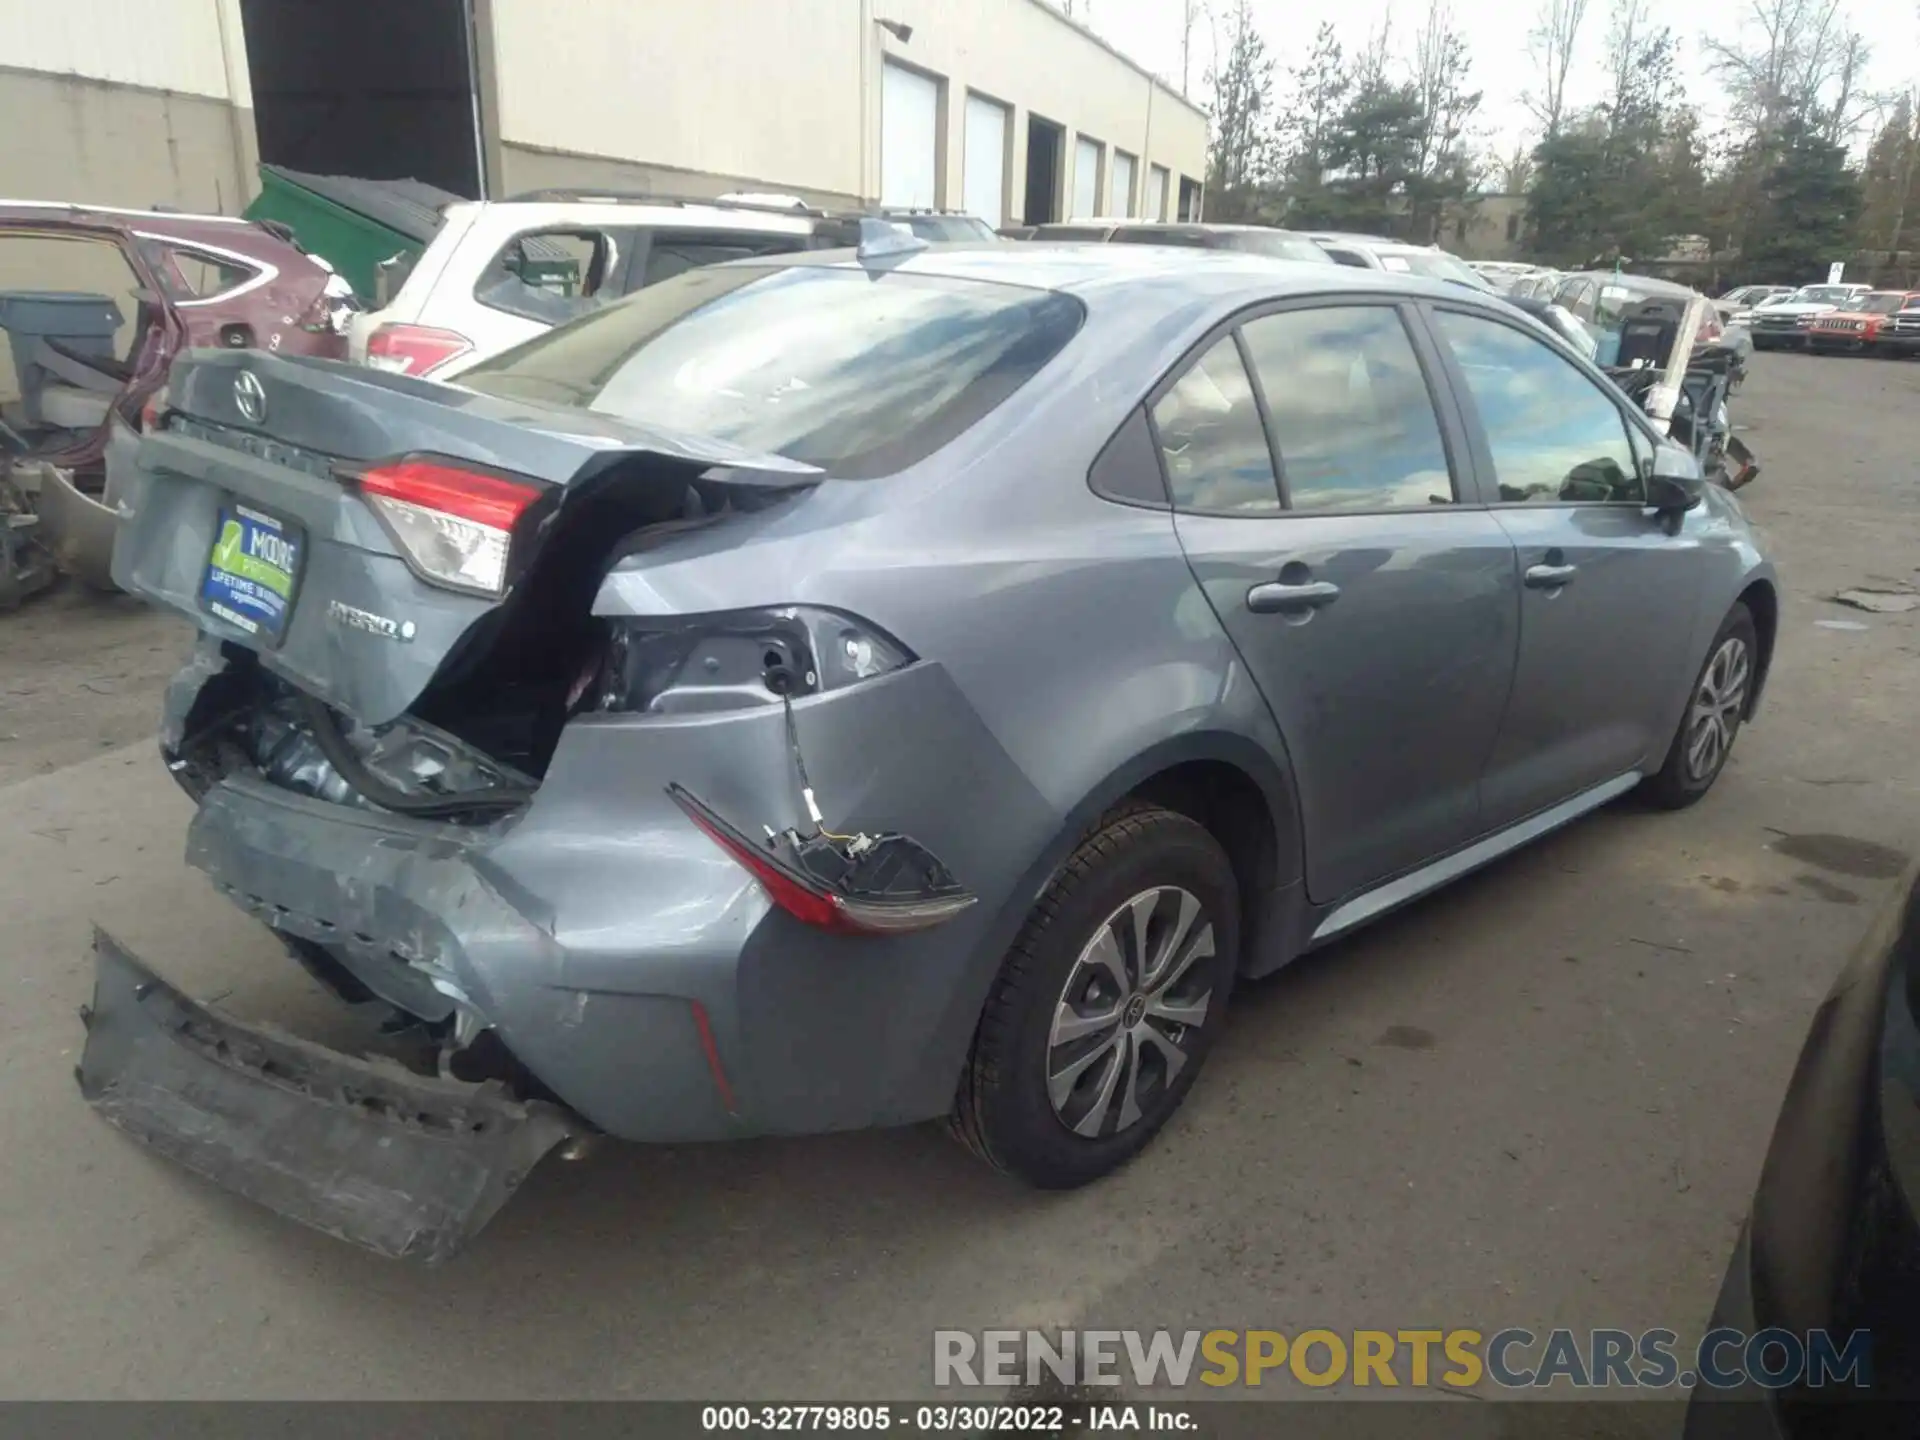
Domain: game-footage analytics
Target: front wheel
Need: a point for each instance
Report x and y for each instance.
(1106, 1005)
(1715, 710)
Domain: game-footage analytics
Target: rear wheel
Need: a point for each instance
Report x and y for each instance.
(1715, 709)
(1106, 1005)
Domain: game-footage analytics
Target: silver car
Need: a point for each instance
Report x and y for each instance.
(848, 689)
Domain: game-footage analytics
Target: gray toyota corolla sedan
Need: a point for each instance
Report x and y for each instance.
(841, 690)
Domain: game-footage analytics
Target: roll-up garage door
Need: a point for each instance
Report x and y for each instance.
(1156, 207)
(1122, 187)
(1086, 178)
(909, 130)
(985, 184)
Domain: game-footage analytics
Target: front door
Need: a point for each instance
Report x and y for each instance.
(1375, 612)
(1608, 598)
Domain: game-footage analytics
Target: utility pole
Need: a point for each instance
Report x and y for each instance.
(1186, 44)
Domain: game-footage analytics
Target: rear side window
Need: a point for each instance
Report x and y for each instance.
(1352, 417)
(187, 275)
(554, 276)
(859, 375)
(1212, 440)
(673, 252)
(1161, 235)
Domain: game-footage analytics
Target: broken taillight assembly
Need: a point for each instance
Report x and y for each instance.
(454, 526)
(862, 884)
(414, 349)
(674, 664)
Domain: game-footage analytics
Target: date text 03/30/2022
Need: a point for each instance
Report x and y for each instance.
(937, 1419)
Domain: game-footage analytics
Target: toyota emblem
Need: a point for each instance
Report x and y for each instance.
(250, 396)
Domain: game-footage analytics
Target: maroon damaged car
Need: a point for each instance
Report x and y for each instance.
(94, 305)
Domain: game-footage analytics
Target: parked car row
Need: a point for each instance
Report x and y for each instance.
(1850, 319)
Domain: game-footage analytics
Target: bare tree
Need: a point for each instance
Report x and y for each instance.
(1242, 83)
(1376, 57)
(1555, 33)
(1515, 169)
(1851, 104)
(1793, 60)
(1441, 65)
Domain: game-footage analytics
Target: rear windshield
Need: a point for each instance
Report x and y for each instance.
(859, 375)
(1433, 264)
(946, 227)
(1281, 247)
(1252, 242)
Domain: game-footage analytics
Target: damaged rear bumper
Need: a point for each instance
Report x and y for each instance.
(365, 1150)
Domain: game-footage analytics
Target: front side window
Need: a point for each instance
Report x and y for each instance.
(1352, 417)
(1212, 441)
(1554, 434)
(827, 365)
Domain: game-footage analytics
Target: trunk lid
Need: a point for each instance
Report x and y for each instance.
(251, 460)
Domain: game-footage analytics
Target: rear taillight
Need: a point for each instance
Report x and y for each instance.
(414, 349)
(921, 895)
(153, 411)
(454, 526)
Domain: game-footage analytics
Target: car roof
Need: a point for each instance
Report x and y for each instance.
(109, 214)
(1646, 284)
(211, 232)
(634, 212)
(1091, 269)
(1219, 226)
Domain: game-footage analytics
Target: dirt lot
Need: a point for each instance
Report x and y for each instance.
(80, 673)
(1540, 1098)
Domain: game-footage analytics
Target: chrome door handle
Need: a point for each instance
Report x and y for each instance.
(1550, 577)
(1275, 597)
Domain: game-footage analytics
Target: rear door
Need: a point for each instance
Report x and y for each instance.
(1324, 507)
(1607, 595)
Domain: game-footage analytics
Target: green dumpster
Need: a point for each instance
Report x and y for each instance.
(356, 225)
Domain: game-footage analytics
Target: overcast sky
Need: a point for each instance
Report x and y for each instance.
(1496, 31)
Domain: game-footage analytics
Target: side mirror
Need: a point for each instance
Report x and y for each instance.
(1675, 484)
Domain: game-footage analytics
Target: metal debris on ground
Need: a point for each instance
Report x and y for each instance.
(1880, 602)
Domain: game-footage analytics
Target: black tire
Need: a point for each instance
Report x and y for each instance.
(1004, 1111)
(1681, 779)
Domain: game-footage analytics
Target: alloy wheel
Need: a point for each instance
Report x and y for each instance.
(1131, 1012)
(1717, 707)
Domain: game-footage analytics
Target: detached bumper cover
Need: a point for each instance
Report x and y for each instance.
(407, 1166)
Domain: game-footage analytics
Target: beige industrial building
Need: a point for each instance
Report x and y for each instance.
(1002, 107)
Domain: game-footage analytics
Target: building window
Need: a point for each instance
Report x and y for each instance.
(1513, 227)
